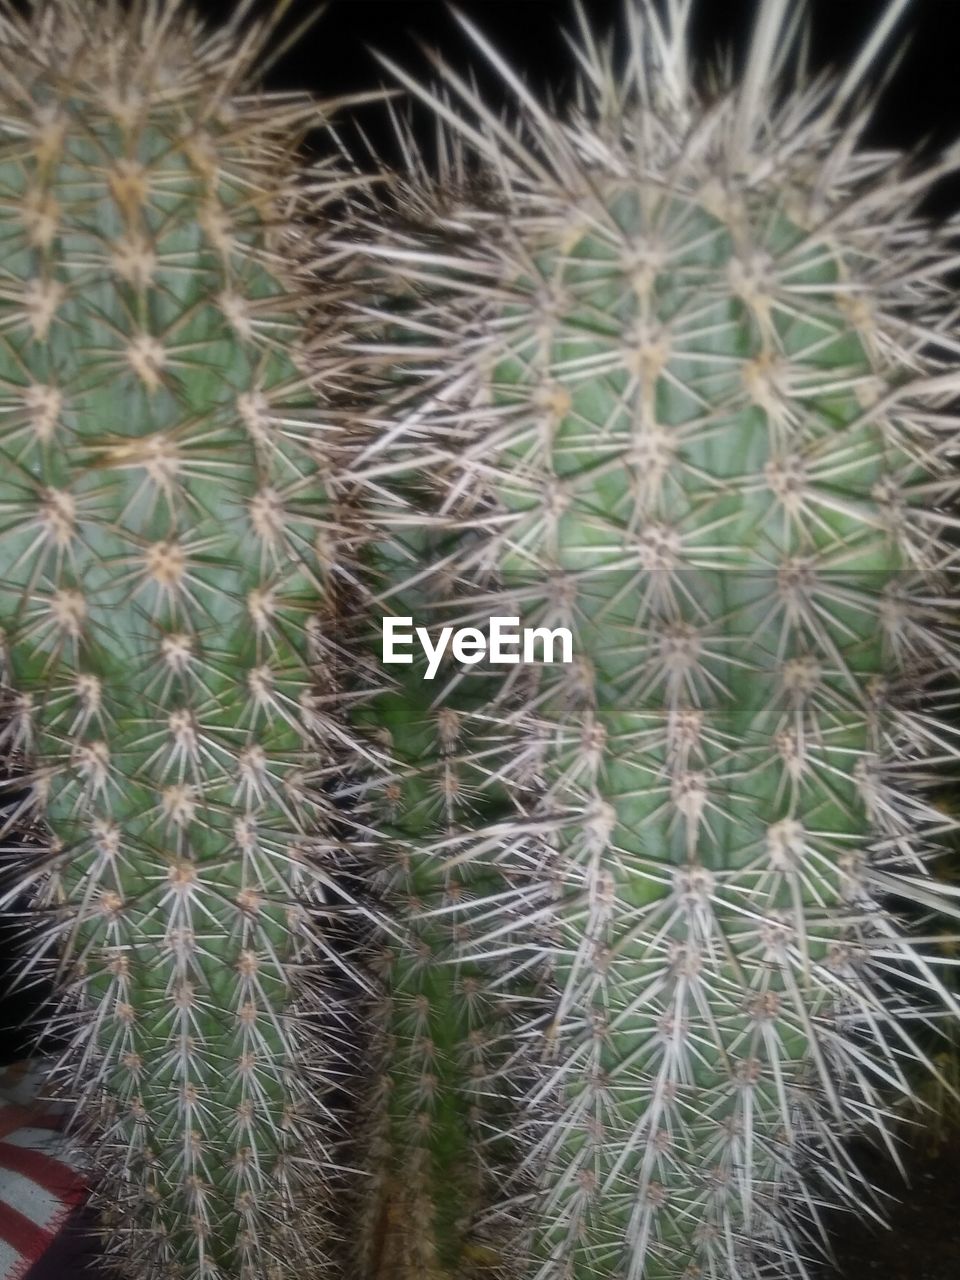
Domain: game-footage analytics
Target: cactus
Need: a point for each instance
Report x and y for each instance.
(688, 361)
(170, 549)
(433, 1113)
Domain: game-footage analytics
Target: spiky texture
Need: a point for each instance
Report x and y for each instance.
(431, 1110)
(170, 546)
(689, 359)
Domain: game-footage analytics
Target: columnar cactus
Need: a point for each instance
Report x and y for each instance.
(689, 361)
(170, 547)
(433, 1139)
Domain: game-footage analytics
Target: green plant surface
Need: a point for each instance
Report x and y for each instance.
(169, 550)
(688, 359)
(444, 1023)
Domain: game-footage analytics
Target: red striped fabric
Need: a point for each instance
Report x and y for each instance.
(27, 1241)
(13, 1117)
(38, 1186)
(54, 1176)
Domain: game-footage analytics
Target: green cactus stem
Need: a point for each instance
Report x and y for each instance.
(170, 548)
(689, 360)
(444, 1024)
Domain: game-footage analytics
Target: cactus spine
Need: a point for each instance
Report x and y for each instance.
(432, 1142)
(169, 550)
(689, 362)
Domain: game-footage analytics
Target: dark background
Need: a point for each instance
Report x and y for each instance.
(920, 107)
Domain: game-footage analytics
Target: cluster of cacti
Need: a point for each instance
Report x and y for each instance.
(673, 371)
